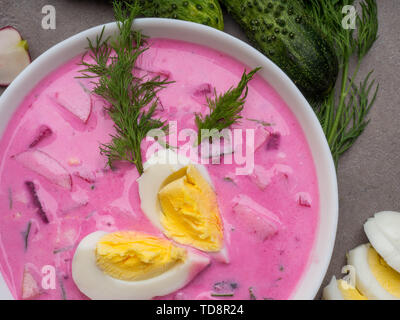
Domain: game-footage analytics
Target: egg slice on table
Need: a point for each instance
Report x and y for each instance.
(129, 265)
(375, 279)
(178, 197)
(383, 232)
(341, 290)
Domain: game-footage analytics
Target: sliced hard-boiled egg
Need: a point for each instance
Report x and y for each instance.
(135, 256)
(375, 279)
(178, 197)
(341, 290)
(383, 232)
(129, 265)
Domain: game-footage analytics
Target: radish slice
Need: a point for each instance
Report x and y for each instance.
(30, 288)
(46, 166)
(14, 55)
(75, 99)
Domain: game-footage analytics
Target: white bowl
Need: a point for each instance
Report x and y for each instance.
(203, 35)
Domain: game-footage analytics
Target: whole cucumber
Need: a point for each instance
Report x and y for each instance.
(207, 12)
(281, 30)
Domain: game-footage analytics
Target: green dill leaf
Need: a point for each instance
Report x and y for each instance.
(367, 27)
(59, 250)
(213, 294)
(344, 114)
(225, 108)
(132, 100)
(25, 234)
(260, 122)
(229, 179)
(62, 288)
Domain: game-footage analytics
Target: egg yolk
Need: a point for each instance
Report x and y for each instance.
(131, 256)
(387, 277)
(349, 292)
(190, 213)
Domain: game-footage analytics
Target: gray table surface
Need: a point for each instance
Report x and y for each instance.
(368, 175)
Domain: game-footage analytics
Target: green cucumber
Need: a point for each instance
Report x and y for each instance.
(207, 12)
(282, 31)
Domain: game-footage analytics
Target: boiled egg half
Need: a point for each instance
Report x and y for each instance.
(383, 232)
(178, 197)
(375, 279)
(376, 264)
(130, 265)
(341, 290)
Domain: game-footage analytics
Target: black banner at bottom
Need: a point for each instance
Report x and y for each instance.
(206, 309)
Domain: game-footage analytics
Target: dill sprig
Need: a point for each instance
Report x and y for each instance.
(132, 100)
(225, 108)
(344, 114)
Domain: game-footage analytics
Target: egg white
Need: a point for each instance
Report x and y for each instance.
(366, 282)
(331, 291)
(97, 285)
(156, 169)
(383, 231)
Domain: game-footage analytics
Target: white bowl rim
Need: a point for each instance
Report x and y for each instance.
(57, 55)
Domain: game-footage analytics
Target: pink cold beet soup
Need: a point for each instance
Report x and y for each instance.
(45, 213)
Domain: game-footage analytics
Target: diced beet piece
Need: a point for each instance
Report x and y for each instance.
(202, 92)
(35, 200)
(46, 166)
(43, 132)
(257, 219)
(30, 288)
(303, 199)
(274, 141)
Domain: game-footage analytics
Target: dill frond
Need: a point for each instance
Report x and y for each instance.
(132, 100)
(225, 108)
(344, 114)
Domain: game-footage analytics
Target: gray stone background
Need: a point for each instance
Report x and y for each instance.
(368, 175)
